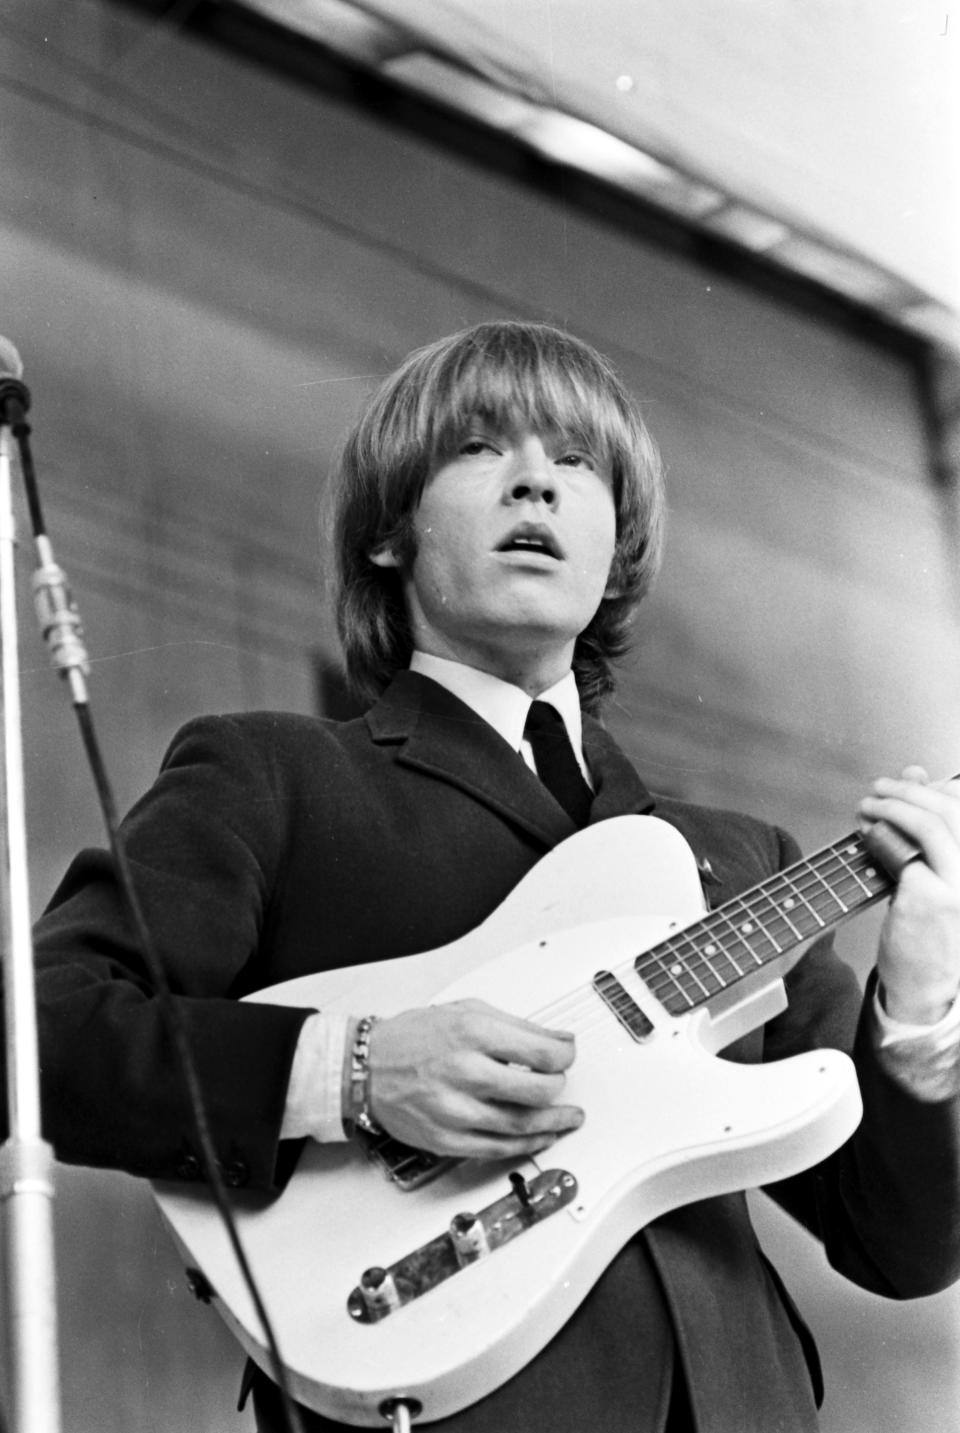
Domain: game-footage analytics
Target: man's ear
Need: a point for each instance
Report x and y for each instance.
(384, 556)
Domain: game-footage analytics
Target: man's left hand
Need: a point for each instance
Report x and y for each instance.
(919, 956)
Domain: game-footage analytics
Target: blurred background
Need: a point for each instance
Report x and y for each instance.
(222, 223)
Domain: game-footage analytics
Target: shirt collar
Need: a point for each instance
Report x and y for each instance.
(500, 703)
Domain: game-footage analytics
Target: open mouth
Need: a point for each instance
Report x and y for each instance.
(531, 537)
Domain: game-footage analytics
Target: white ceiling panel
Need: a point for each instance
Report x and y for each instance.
(838, 122)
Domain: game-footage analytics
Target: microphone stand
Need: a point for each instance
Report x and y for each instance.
(26, 1159)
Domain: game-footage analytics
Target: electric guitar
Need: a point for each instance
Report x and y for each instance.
(388, 1272)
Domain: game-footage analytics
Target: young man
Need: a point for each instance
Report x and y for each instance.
(498, 519)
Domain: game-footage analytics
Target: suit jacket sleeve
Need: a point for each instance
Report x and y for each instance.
(887, 1204)
(205, 845)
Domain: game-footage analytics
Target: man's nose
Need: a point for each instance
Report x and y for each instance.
(532, 477)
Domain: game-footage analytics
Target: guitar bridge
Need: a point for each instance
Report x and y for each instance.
(470, 1237)
(402, 1164)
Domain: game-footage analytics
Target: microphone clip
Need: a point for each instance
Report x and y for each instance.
(14, 404)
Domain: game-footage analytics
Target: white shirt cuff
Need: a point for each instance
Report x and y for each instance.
(892, 1029)
(923, 1059)
(314, 1094)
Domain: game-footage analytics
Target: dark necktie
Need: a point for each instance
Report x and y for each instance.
(557, 767)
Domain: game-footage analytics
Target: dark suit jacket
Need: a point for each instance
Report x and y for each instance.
(273, 845)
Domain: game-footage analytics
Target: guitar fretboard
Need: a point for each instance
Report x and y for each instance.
(805, 900)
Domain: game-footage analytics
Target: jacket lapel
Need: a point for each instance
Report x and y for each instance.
(618, 790)
(436, 733)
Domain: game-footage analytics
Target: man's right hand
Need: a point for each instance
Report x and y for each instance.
(468, 1080)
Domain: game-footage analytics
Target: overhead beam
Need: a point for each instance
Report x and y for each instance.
(321, 69)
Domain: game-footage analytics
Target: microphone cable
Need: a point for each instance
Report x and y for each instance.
(63, 632)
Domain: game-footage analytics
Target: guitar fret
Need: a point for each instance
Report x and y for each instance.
(714, 951)
(677, 984)
(707, 958)
(840, 872)
(740, 932)
(697, 960)
(738, 927)
(831, 893)
(704, 974)
(764, 928)
(855, 853)
(806, 899)
(665, 981)
(799, 896)
(783, 909)
(784, 912)
(679, 970)
(798, 903)
(862, 874)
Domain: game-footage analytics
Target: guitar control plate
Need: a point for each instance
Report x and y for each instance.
(470, 1237)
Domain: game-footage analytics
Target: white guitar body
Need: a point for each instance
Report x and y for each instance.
(666, 1123)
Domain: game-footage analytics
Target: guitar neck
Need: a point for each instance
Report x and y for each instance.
(807, 899)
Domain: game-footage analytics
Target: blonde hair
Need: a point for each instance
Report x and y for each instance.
(516, 377)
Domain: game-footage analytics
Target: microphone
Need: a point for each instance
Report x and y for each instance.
(11, 364)
(56, 610)
(14, 398)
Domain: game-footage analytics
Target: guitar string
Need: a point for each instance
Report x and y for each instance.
(568, 1007)
(803, 881)
(584, 1008)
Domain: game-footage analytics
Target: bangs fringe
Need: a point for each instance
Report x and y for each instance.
(528, 390)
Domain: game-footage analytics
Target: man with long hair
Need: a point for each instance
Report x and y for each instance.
(498, 516)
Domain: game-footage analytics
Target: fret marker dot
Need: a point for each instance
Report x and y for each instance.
(789, 903)
(851, 850)
(870, 872)
(676, 969)
(710, 950)
(747, 927)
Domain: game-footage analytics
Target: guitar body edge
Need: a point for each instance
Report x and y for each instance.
(667, 1124)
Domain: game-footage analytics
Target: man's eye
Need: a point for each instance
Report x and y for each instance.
(472, 446)
(577, 460)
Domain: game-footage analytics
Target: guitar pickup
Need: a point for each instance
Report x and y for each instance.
(618, 999)
(470, 1237)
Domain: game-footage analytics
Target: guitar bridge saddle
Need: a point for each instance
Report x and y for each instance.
(403, 1164)
(470, 1237)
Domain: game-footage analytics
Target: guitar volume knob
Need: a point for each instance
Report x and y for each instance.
(379, 1291)
(469, 1238)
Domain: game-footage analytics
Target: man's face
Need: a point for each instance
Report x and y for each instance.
(515, 538)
